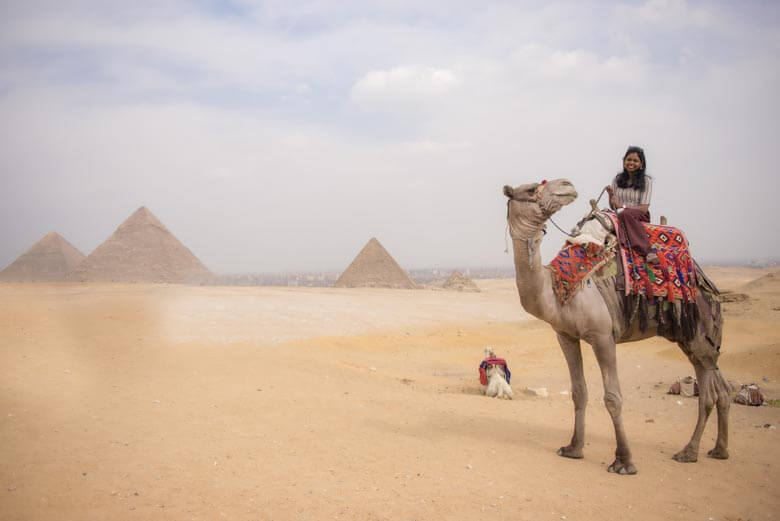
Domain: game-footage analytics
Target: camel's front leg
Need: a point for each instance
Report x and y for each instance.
(604, 349)
(579, 394)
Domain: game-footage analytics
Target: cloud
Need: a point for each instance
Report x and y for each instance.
(675, 14)
(405, 85)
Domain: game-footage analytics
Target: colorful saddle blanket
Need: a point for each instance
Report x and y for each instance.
(492, 361)
(573, 265)
(673, 277)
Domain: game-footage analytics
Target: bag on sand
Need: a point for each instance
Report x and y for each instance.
(749, 394)
(687, 386)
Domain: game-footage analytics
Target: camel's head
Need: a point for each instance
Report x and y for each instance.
(534, 203)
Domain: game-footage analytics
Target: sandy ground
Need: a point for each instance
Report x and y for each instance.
(172, 402)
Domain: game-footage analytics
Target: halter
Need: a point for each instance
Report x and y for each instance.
(534, 199)
(529, 242)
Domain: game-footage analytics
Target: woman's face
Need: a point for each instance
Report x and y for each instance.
(632, 163)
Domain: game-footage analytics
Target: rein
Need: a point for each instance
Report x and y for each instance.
(594, 206)
(559, 228)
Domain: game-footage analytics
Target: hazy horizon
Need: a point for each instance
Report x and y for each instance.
(282, 136)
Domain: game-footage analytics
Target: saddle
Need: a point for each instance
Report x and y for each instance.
(594, 244)
(492, 360)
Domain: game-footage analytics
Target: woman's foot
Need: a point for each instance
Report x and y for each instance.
(652, 258)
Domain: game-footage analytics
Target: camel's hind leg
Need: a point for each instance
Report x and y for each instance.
(713, 391)
(723, 402)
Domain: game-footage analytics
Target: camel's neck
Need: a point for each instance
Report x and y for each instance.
(534, 283)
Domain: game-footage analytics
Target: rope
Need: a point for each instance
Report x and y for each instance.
(559, 228)
(602, 193)
(567, 233)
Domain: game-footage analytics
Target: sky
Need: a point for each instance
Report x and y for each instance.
(283, 135)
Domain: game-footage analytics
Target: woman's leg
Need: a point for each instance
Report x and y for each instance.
(633, 231)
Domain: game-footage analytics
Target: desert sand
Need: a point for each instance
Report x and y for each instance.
(131, 401)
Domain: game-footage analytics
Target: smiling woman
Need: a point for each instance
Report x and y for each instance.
(630, 192)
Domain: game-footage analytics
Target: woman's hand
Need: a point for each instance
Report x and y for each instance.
(613, 202)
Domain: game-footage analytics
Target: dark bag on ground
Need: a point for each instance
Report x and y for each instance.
(749, 394)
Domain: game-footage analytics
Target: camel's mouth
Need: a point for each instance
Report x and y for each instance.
(562, 189)
(566, 192)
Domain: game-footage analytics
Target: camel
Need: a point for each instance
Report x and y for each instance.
(496, 378)
(597, 315)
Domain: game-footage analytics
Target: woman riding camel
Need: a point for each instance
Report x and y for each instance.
(629, 195)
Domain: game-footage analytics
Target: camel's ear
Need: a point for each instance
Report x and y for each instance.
(509, 191)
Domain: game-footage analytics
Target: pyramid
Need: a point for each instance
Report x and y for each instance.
(49, 259)
(459, 282)
(142, 250)
(373, 267)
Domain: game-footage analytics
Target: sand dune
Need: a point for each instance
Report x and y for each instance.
(174, 402)
(766, 283)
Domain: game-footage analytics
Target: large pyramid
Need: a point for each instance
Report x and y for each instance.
(49, 259)
(142, 250)
(374, 268)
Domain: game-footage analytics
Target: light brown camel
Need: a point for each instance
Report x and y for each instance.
(597, 315)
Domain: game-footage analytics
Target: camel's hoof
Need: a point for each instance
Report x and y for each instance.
(687, 455)
(619, 467)
(718, 453)
(570, 452)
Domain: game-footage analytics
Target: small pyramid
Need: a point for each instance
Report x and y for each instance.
(49, 259)
(459, 282)
(142, 250)
(373, 267)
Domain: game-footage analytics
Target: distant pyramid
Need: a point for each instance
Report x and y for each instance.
(49, 259)
(459, 282)
(142, 250)
(374, 268)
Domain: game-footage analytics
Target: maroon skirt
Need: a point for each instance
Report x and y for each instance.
(631, 233)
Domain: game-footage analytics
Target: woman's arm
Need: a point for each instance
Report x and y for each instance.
(613, 202)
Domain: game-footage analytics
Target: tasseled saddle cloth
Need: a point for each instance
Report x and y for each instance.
(673, 277)
(664, 291)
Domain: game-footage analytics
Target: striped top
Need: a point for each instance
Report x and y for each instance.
(632, 196)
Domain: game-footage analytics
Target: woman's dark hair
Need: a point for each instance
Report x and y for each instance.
(638, 180)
